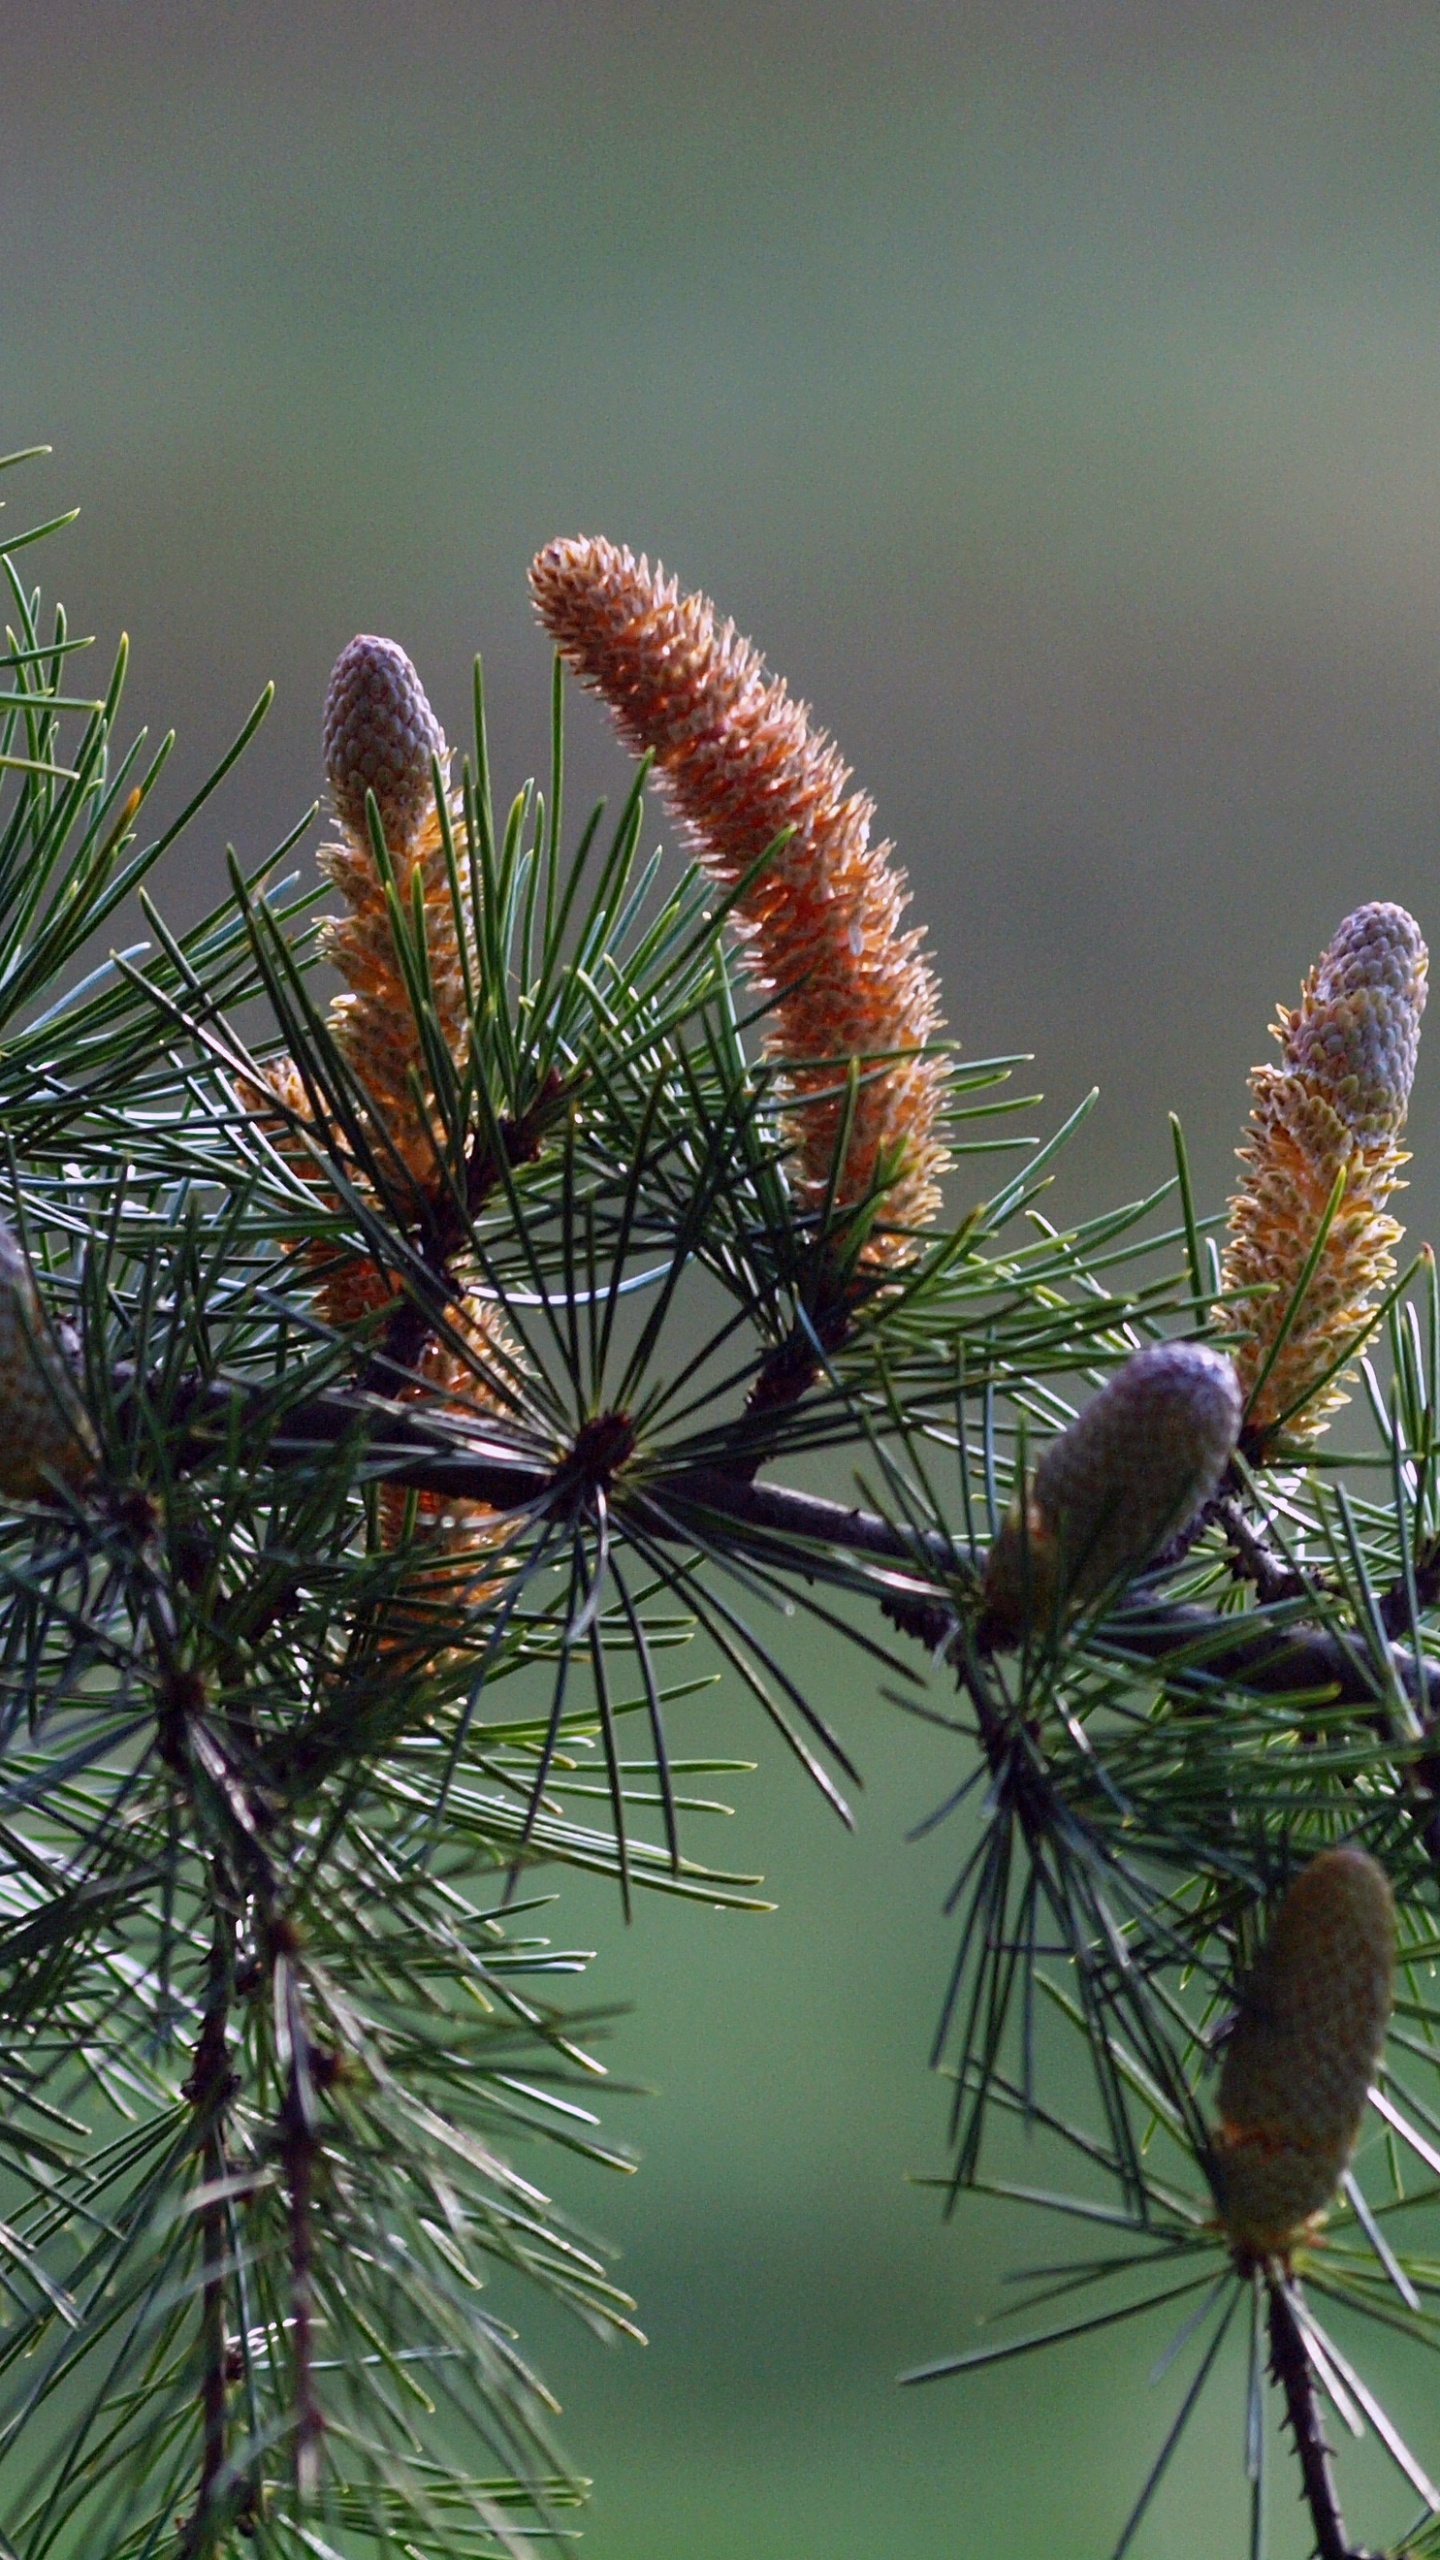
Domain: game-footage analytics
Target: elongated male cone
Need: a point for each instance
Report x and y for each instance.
(380, 735)
(1334, 1107)
(1311, 2029)
(1127, 1473)
(45, 1431)
(821, 926)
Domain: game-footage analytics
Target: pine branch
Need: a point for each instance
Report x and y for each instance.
(250, 1656)
(410, 1448)
(413, 1449)
(298, 2151)
(1272, 1661)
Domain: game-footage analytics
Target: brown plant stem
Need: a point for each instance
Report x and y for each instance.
(211, 2088)
(1291, 2367)
(299, 2146)
(1253, 1560)
(790, 1369)
(408, 1448)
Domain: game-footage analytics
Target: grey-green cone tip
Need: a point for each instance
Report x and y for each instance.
(1356, 1034)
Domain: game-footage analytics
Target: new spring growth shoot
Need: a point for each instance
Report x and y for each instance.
(820, 925)
(1311, 2029)
(45, 1433)
(381, 737)
(1129, 1472)
(1329, 1118)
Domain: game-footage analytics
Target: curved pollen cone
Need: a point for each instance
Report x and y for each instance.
(45, 1431)
(821, 926)
(1298, 2065)
(1336, 1105)
(1129, 1472)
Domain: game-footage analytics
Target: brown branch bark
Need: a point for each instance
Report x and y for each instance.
(788, 1371)
(299, 2147)
(1252, 1557)
(1292, 2370)
(210, 2089)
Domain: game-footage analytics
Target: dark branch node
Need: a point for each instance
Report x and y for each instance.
(601, 1445)
(180, 1698)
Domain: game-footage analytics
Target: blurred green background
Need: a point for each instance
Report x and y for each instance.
(1052, 392)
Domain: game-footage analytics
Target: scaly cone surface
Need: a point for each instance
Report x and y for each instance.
(821, 926)
(1336, 1106)
(380, 735)
(1303, 2051)
(1131, 1470)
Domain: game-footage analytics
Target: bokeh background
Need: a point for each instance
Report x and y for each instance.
(1052, 390)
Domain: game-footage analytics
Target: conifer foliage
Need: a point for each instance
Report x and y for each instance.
(400, 1397)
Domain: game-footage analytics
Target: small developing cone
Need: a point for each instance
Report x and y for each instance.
(1129, 1472)
(1303, 2052)
(820, 927)
(1335, 1106)
(380, 735)
(45, 1431)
